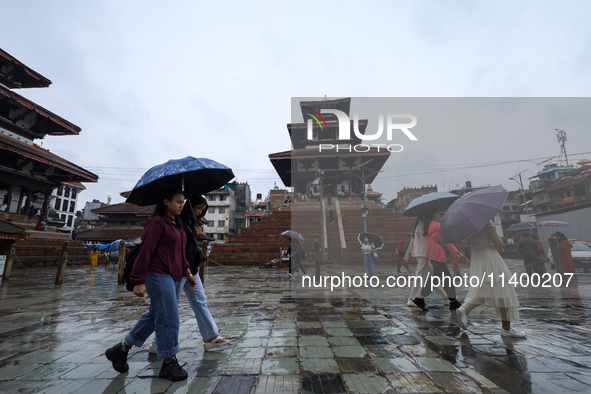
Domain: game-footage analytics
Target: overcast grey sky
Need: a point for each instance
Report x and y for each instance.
(148, 81)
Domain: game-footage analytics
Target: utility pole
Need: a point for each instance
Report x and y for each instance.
(520, 182)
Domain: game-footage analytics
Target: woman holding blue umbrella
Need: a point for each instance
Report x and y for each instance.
(193, 212)
(434, 202)
(160, 264)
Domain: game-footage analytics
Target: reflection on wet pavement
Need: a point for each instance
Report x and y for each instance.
(289, 340)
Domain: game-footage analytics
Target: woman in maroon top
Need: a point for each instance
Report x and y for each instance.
(160, 263)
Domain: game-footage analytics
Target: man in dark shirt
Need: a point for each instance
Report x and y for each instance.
(528, 249)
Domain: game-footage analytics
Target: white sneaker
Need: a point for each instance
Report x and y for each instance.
(152, 349)
(513, 333)
(462, 317)
(410, 303)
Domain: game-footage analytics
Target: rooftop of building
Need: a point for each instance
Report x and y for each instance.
(72, 171)
(16, 109)
(15, 74)
(126, 208)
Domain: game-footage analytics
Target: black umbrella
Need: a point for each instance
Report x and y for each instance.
(190, 175)
(376, 240)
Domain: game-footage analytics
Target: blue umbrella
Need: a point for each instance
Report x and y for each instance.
(293, 234)
(105, 247)
(470, 213)
(440, 201)
(190, 175)
(94, 246)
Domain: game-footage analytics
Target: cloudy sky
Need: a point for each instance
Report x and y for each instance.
(148, 81)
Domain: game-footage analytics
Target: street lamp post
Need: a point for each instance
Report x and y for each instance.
(520, 183)
(364, 207)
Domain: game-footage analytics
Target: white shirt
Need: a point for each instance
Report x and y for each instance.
(366, 248)
(418, 246)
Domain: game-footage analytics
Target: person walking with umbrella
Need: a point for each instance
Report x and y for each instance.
(417, 248)
(160, 264)
(565, 246)
(437, 257)
(297, 255)
(400, 260)
(193, 211)
(469, 217)
(368, 249)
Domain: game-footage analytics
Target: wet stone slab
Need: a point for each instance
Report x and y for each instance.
(323, 384)
(288, 384)
(412, 383)
(372, 340)
(310, 331)
(235, 384)
(280, 366)
(366, 383)
(355, 364)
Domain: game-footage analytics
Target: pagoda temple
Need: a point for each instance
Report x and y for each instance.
(26, 168)
(29, 173)
(312, 168)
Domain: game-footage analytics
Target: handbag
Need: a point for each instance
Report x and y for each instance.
(375, 255)
(195, 255)
(447, 252)
(401, 253)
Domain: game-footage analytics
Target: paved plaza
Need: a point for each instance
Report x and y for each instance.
(286, 339)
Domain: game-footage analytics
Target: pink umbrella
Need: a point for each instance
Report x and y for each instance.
(553, 223)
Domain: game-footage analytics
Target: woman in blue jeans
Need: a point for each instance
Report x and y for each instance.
(159, 266)
(196, 296)
(368, 248)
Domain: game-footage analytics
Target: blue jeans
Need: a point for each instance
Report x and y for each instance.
(368, 260)
(198, 301)
(163, 316)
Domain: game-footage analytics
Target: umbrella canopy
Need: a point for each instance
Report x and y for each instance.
(520, 226)
(94, 246)
(293, 235)
(470, 213)
(376, 240)
(105, 247)
(553, 223)
(115, 244)
(438, 200)
(190, 175)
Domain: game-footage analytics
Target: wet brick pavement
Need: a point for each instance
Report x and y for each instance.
(289, 340)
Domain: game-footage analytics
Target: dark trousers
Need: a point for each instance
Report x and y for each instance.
(440, 268)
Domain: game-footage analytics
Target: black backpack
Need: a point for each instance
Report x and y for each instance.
(130, 260)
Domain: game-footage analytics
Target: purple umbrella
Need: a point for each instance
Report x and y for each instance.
(470, 213)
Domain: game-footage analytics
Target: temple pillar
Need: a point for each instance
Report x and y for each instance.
(28, 202)
(46, 196)
(8, 199)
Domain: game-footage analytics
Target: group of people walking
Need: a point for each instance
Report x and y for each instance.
(168, 260)
(164, 267)
(430, 253)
